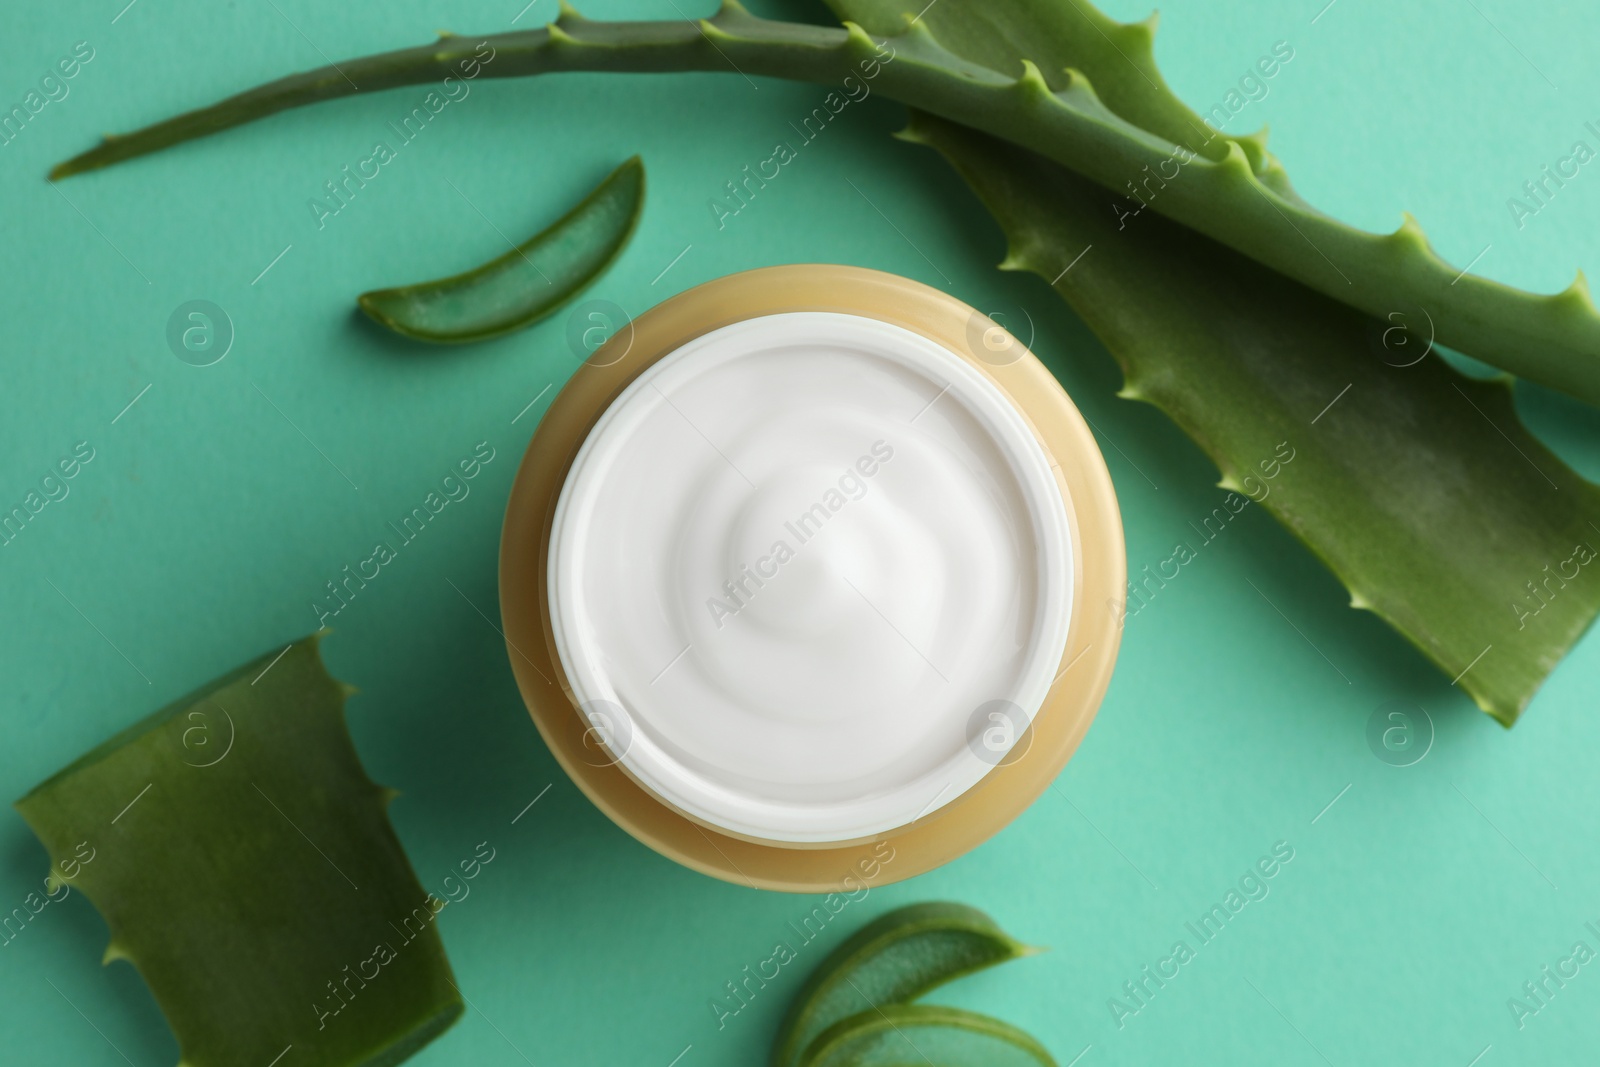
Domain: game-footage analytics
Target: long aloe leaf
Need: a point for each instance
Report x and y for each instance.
(525, 284)
(1241, 198)
(245, 865)
(1416, 485)
(896, 957)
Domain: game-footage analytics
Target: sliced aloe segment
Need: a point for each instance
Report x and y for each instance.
(894, 958)
(245, 864)
(528, 282)
(917, 1035)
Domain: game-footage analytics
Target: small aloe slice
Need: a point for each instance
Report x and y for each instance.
(528, 282)
(246, 866)
(896, 957)
(916, 1035)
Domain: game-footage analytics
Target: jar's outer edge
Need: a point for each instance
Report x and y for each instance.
(1099, 565)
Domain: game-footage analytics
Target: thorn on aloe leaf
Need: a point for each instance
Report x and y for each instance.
(1136, 34)
(859, 39)
(1078, 84)
(1257, 140)
(1409, 226)
(714, 32)
(1239, 160)
(1031, 85)
(1577, 294)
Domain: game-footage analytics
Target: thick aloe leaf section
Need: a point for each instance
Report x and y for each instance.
(245, 865)
(1240, 197)
(525, 284)
(1417, 486)
(915, 1035)
(896, 957)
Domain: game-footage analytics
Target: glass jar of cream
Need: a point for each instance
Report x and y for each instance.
(805, 575)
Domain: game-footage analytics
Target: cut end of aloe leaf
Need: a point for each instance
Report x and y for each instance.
(245, 866)
(525, 284)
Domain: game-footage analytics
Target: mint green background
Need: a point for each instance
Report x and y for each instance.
(206, 524)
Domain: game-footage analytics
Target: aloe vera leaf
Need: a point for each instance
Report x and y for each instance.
(1239, 198)
(528, 282)
(1420, 488)
(896, 957)
(1151, 347)
(919, 1035)
(246, 866)
(1116, 57)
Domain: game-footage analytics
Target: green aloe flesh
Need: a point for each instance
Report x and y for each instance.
(528, 282)
(895, 958)
(246, 866)
(1232, 191)
(916, 1035)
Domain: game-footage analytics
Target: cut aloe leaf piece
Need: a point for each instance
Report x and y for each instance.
(1367, 446)
(246, 866)
(896, 957)
(917, 1035)
(528, 282)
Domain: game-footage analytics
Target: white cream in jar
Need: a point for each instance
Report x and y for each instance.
(810, 577)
